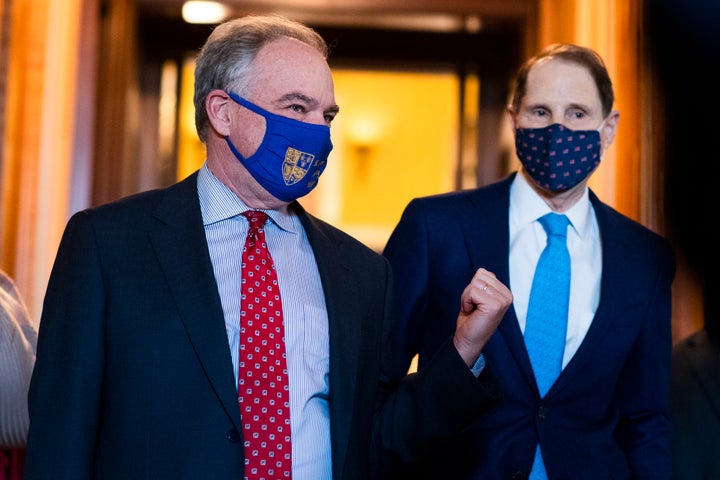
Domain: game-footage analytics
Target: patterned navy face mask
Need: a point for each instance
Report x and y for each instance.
(556, 157)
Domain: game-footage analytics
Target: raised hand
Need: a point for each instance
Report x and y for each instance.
(482, 306)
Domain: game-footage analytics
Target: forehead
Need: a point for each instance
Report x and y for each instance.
(557, 81)
(288, 65)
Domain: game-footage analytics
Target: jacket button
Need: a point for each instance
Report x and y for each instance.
(542, 412)
(233, 436)
(520, 476)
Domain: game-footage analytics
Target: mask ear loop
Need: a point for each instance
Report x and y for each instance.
(602, 125)
(247, 104)
(602, 143)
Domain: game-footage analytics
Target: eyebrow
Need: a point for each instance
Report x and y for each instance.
(571, 106)
(533, 106)
(581, 106)
(294, 96)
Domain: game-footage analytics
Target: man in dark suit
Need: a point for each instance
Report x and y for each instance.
(138, 360)
(606, 414)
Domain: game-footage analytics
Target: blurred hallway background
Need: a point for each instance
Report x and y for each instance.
(96, 103)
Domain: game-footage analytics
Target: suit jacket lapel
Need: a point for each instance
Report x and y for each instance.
(486, 237)
(191, 280)
(486, 232)
(344, 329)
(617, 279)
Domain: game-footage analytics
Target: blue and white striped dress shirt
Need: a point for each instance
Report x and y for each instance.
(304, 311)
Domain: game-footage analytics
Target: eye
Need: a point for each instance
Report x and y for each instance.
(535, 117)
(297, 108)
(329, 117)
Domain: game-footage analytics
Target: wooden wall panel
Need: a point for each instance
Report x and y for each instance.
(21, 142)
(37, 141)
(117, 112)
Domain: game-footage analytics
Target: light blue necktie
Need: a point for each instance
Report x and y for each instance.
(546, 322)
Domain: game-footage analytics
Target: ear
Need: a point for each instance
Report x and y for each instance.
(510, 112)
(609, 129)
(218, 106)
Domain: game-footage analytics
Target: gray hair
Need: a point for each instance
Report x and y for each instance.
(224, 60)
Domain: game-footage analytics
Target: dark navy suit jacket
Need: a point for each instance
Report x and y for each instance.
(134, 378)
(606, 417)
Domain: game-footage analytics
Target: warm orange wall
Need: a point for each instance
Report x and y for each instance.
(21, 146)
(38, 139)
(395, 138)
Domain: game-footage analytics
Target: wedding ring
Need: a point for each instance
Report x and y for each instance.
(485, 287)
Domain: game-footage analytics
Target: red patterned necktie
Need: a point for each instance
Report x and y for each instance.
(263, 393)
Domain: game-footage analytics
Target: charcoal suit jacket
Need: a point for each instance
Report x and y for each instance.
(134, 378)
(606, 416)
(695, 407)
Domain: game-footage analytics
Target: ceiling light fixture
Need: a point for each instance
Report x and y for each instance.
(204, 12)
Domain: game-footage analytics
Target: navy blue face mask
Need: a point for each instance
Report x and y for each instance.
(291, 157)
(556, 157)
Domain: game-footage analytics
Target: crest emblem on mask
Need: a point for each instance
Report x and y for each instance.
(296, 165)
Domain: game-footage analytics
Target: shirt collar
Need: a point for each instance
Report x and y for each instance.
(218, 203)
(526, 206)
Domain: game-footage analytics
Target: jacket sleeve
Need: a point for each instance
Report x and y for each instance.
(71, 341)
(417, 411)
(643, 386)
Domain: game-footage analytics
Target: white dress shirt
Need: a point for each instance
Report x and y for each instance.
(527, 240)
(304, 313)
